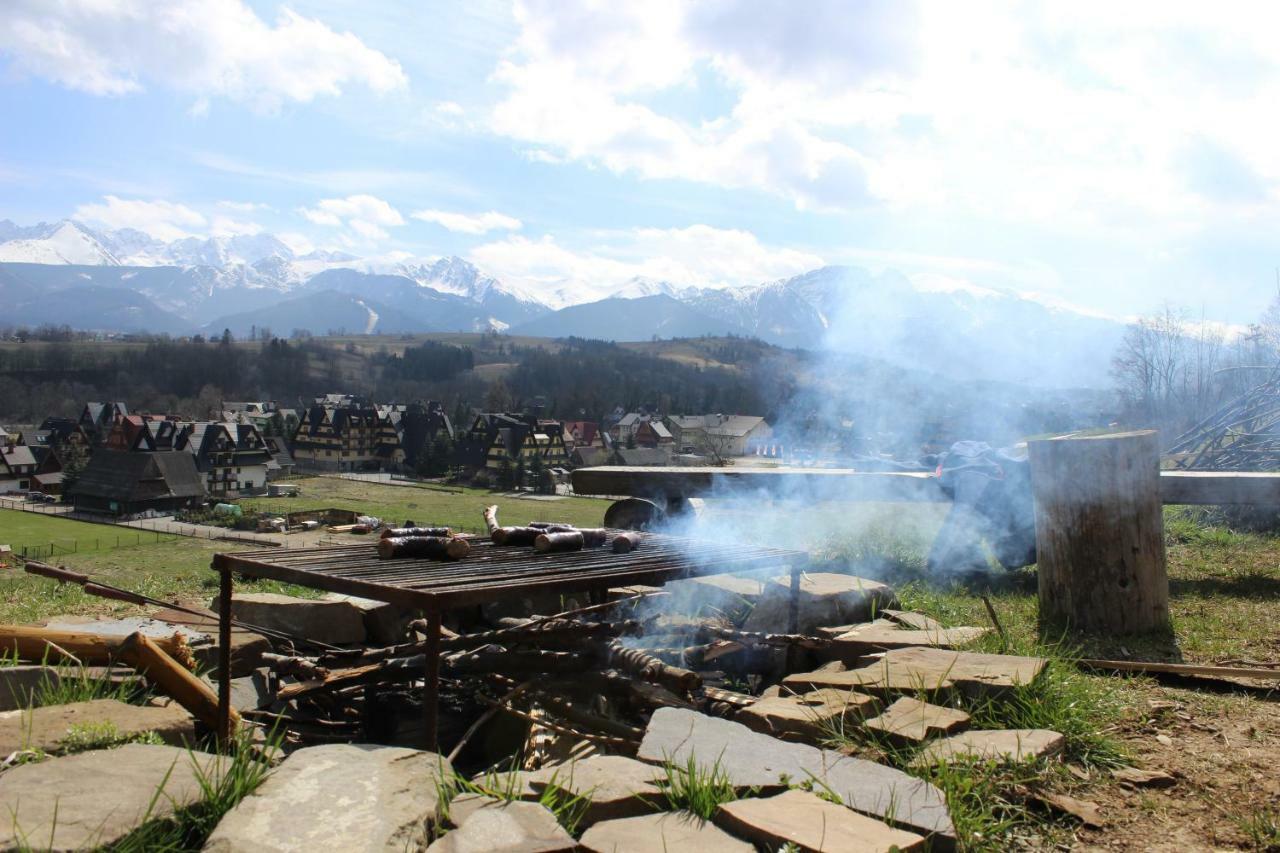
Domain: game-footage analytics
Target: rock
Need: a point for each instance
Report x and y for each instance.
(883, 634)
(914, 721)
(46, 728)
(666, 832)
(754, 760)
(808, 717)
(1085, 811)
(723, 592)
(997, 745)
(335, 622)
(1144, 778)
(338, 797)
(914, 621)
(811, 824)
(487, 825)
(825, 599)
(246, 646)
(249, 692)
(918, 669)
(82, 802)
(385, 624)
(613, 786)
(19, 684)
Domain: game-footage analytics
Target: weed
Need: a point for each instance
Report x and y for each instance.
(1262, 828)
(568, 807)
(696, 789)
(78, 684)
(102, 735)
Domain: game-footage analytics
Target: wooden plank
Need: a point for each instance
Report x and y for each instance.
(1182, 669)
(826, 483)
(1220, 487)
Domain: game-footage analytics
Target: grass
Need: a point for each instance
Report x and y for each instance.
(693, 788)
(39, 531)
(569, 808)
(1261, 828)
(454, 506)
(102, 735)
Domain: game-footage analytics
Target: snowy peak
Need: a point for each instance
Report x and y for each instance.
(66, 242)
(642, 286)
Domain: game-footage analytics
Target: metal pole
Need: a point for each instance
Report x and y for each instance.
(793, 620)
(224, 654)
(431, 685)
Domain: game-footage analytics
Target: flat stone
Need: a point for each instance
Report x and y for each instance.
(918, 669)
(812, 824)
(614, 786)
(337, 622)
(826, 598)
(667, 832)
(721, 592)
(914, 721)
(94, 799)
(487, 825)
(997, 745)
(754, 760)
(914, 621)
(882, 634)
(338, 797)
(247, 647)
(46, 728)
(19, 684)
(249, 692)
(154, 628)
(385, 624)
(1144, 778)
(807, 717)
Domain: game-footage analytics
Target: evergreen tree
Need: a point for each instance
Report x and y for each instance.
(537, 471)
(506, 475)
(520, 473)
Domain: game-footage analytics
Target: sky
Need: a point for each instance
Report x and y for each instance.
(1109, 156)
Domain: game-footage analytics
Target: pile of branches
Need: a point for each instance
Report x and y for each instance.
(1243, 435)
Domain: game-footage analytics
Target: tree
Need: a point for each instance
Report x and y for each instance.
(74, 459)
(540, 475)
(520, 473)
(506, 478)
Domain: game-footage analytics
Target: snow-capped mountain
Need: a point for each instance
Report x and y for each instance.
(256, 280)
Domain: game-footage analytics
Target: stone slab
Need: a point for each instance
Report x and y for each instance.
(487, 825)
(247, 647)
(807, 717)
(723, 593)
(914, 721)
(666, 832)
(46, 728)
(912, 620)
(754, 760)
(995, 745)
(336, 622)
(384, 624)
(812, 824)
(338, 797)
(614, 786)
(882, 634)
(919, 669)
(826, 598)
(19, 684)
(93, 799)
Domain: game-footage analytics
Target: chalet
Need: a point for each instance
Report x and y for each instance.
(59, 431)
(583, 434)
(121, 482)
(624, 429)
(641, 457)
(589, 457)
(495, 436)
(232, 458)
(421, 424)
(281, 464)
(17, 467)
(348, 438)
(97, 419)
(653, 434)
(48, 475)
(718, 435)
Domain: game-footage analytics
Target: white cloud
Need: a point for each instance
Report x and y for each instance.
(207, 48)
(698, 255)
(364, 215)
(225, 226)
(243, 206)
(465, 223)
(163, 220)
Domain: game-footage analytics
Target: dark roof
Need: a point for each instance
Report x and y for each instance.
(644, 456)
(122, 475)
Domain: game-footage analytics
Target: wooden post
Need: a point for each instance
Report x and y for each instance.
(224, 656)
(431, 684)
(1100, 533)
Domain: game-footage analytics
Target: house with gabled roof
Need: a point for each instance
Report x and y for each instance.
(231, 457)
(17, 467)
(121, 482)
(346, 438)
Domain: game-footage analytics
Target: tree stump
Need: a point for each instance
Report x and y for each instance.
(1100, 533)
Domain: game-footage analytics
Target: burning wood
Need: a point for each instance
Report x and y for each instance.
(431, 547)
(650, 668)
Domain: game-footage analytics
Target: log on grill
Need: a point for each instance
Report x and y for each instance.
(625, 543)
(550, 543)
(515, 535)
(491, 518)
(558, 526)
(432, 547)
(388, 532)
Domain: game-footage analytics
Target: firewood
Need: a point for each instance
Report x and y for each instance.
(551, 543)
(554, 526)
(490, 659)
(36, 644)
(432, 547)
(388, 532)
(298, 667)
(545, 633)
(491, 518)
(719, 694)
(515, 535)
(396, 669)
(759, 638)
(151, 660)
(625, 543)
(650, 668)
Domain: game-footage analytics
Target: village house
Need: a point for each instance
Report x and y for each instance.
(346, 438)
(718, 436)
(582, 434)
(97, 419)
(231, 457)
(121, 482)
(654, 434)
(17, 467)
(495, 436)
(624, 429)
(420, 425)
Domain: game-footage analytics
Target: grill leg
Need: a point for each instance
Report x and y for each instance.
(224, 656)
(793, 621)
(431, 686)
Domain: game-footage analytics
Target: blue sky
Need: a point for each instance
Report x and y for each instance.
(1110, 157)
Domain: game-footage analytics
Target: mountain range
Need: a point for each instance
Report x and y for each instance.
(127, 281)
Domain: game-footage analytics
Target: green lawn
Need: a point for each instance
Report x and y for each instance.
(425, 504)
(39, 531)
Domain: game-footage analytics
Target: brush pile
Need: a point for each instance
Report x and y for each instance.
(1243, 435)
